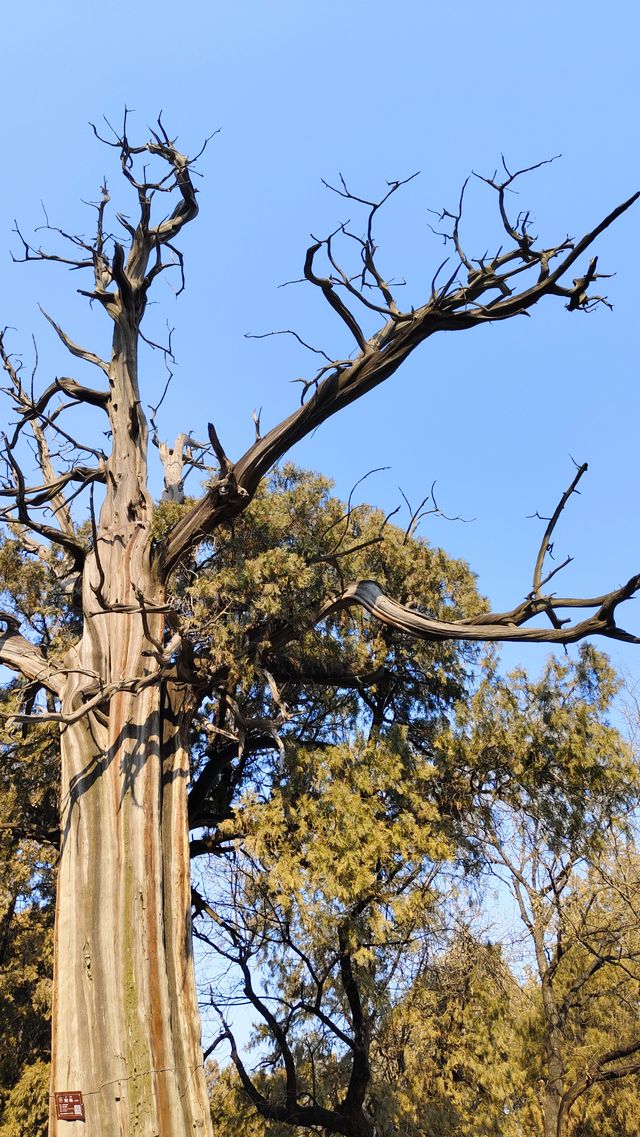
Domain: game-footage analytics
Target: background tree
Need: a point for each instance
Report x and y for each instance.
(447, 1060)
(596, 995)
(327, 905)
(29, 776)
(125, 690)
(554, 785)
(27, 864)
(445, 1056)
(342, 929)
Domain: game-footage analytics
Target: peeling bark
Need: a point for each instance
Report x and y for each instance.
(126, 1024)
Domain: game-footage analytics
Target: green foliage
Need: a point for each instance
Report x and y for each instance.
(31, 589)
(26, 1109)
(446, 1059)
(344, 823)
(287, 555)
(26, 957)
(252, 611)
(608, 1110)
(543, 750)
(167, 514)
(387, 769)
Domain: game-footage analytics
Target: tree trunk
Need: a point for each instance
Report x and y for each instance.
(126, 1024)
(553, 1091)
(551, 1104)
(127, 1029)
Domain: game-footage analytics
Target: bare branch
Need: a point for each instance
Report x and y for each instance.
(134, 684)
(486, 297)
(32, 254)
(327, 287)
(518, 232)
(64, 537)
(505, 627)
(420, 512)
(21, 655)
(77, 392)
(289, 332)
(74, 348)
(546, 545)
(225, 464)
(36, 496)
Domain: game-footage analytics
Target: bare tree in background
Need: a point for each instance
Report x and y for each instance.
(126, 687)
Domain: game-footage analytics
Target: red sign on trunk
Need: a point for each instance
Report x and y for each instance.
(69, 1106)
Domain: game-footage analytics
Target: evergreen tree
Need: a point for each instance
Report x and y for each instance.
(552, 787)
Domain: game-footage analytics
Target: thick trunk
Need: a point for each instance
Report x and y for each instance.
(126, 1031)
(126, 1024)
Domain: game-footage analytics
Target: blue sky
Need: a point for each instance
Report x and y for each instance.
(375, 91)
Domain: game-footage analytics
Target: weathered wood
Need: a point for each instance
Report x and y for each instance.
(126, 1026)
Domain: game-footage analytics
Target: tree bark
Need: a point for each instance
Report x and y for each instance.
(553, 1090)
(126, 1023)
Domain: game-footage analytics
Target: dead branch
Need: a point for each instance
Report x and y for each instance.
(21, 655)
(178, 460)
(77, 392)
(420, 511)
(546, 546)
(224, 463)
(177, 463)
(506, 627)
(43, 494)
(74, 348)
(49, 494)
(519, 232)
(131, 270)
(489, 294)
(367, 244)
(64, 536)
(290, 332)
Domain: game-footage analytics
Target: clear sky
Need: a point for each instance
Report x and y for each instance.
(301, 91)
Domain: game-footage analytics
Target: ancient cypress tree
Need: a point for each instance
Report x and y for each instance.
(119, 673)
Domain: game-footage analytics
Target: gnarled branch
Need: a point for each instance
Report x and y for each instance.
(503, 627)
(19, 654)
(489, 294)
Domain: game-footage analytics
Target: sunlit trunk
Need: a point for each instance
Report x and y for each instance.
(126, 1023)
(126, 1029)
